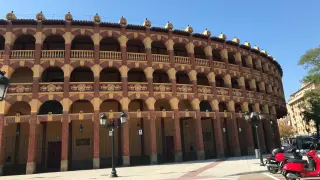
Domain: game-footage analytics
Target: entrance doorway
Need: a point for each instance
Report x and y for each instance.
(169, 149)
(54, 155)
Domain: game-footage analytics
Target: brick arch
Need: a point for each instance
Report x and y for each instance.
(131, 36)
(76, 97)
(115, 96)
(43, 67)
(77, 32)
(112, 99)
(201, 44)
(13, 99)
(177, 40)
(50, 32)
(76, 64)
(142, 66)
(165, 99)
(156, 37)
(189, 97)
(57, 97)
(113, 34)
(206, 98)
(183, 68)
(158, 66)
(166, 96)
(17, 65)
(19, 32)
(10, 104)
(141, 96)
(106, 64)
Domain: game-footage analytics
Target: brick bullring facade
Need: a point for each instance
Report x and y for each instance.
(184, 91)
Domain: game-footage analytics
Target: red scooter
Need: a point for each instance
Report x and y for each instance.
(295, 169)
(276, 161)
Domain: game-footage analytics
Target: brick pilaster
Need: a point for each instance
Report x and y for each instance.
(32, 144)
(2, 144)
(125, 143)
(96, 139)
(270, 136)
(218, 135)
(234, 134)
(64, 141)
(199, 136)
(153, 139)
(177, 137)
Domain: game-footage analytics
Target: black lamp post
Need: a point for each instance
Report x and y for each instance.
(255, 118)
(4, 84)
(113, 125)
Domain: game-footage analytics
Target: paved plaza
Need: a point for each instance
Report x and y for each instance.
(238, 168)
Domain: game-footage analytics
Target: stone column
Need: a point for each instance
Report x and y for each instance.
(32, 144)
(125, 142)
(96, 140)
(177, 137)
(260, 130)
(199, 136)
(153, 139)
(65, 142)
(248, 130)
(233, 130)
(218, 130)
(2, 144)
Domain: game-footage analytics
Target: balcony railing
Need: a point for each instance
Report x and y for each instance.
(137, 56)
(110, 86)
(51, 87)
(220, 65)
(81, 86)
(162, 87)
(52, 53)
(246, 70)
(22, 54)
(234, 67)
(181, 60)
(138, 86)
(1, 54)
(110, 55)
(184, 88)
(238, 92)
(202, 62)
(82, 54)
(160, 58)
(20, 88)
(222, 91)
(204, 89)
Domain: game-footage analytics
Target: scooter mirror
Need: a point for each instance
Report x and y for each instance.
(282, 148)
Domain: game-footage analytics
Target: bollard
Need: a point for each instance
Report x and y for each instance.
(256, 153)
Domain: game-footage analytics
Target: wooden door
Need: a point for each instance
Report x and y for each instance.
(54, 155)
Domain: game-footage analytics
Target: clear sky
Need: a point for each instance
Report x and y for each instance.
(285, 28)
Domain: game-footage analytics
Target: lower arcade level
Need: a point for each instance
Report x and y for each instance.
(54, 139)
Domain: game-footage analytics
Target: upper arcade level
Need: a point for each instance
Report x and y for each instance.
(71, 40)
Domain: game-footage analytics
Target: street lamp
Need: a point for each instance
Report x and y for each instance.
(113, 125)
(255, 118)
(4, 84)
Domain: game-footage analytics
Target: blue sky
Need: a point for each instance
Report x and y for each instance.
(285, 28)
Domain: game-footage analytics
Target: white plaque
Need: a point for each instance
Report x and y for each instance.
(140, 131)
(110, 133)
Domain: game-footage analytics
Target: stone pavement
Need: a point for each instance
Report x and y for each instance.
(237, 168)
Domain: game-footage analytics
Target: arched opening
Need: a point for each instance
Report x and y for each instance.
(135, 46)
(205, 106)
(244, 61)
(109, 44)
(82, 74)
(2, 42)
(223, 107)
(52, 74)
(22, 75)
(219, 81)
(237, 107)
(234, 82)
(82, 42)
(136, 75)
(231, 58)
(52, 106)
(254, 64)
(16, 136)
(180, 50)
(54, 42)
(139, 134)
(24, 42)
(250, 107)
(258, 87)
(216, 55)
(162, 105)
(83, 106)
(185, 105)
(199, 53)
(182, 77)
(202, 79)
(158, 47)
(110, 74)
(247, 84)
(160, 76)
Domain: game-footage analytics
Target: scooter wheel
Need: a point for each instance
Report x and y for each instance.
(291, 178)
(273, 170)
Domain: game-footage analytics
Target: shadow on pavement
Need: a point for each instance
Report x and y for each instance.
(247, 173)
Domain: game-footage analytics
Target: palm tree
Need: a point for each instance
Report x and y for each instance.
(312, 109)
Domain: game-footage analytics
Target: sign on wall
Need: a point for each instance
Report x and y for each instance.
(83, 142)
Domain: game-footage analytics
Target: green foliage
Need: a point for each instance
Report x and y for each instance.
(311, 61)
(285, 131)
(312, 108)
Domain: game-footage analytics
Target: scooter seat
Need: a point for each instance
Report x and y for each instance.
(297, 161)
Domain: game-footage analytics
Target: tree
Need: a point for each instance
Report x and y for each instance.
(312, 109)
(285, 130)
(311, 61)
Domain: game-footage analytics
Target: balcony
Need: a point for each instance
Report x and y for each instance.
(238, 92)
(182, 60)
(202, 62)
(246, 70)
(234, 67)
(1, 54)
(204, 89)
(219, 65)
(184, 88)
(52, 54)
(81, 87)
(82, 54)
(138, 87)
(51, 87)
(162, 87)
(22, 54)
(160, 58)
(110, 55)
(110, 86)
(221, 91)
(20, 88)
(137, 56)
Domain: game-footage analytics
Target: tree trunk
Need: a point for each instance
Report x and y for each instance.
(317, 128)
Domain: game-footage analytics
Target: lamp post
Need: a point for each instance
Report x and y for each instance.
(4, 84)
(112, 125)
(255, 118)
